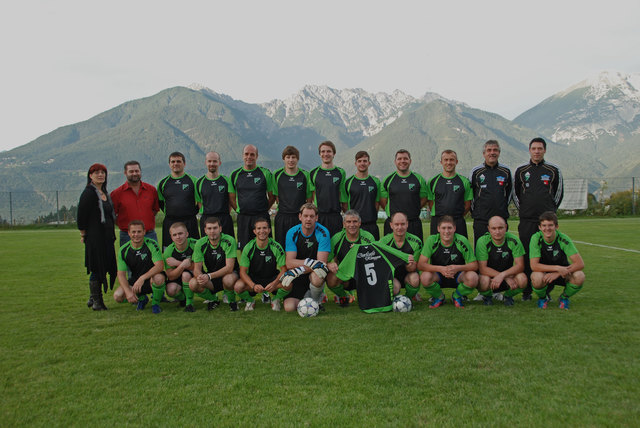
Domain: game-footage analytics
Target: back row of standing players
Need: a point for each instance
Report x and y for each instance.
(251, 190)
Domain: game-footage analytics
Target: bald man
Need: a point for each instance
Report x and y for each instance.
(216, 195)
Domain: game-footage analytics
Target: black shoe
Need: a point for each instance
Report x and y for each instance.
(182, 303)
(90, 302)
(213, 304)
(233, 306)
(189, 308)
(266, 297)
(526, 297)
(164, 299)
(321, 308)
(98, 304)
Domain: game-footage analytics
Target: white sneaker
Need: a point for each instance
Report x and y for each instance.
(498, 296)
(250, 306)
(478, 298)
(275, 305)
(224, 298)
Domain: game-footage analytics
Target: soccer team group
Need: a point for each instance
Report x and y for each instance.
(326, 232)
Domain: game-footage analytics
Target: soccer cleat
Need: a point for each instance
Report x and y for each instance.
(487, 300)
(352, 297)
(164, 299)
(564, 303)
(266, 297)
(508, 301)
(344, 301)
(212, 304)
(321, 308)
(336, 300)
(325, 299)
(189, 308)
(437, 302)
(498, 296)
(457, 301)
(225, 299)
(526, 297)
(182, 303)
(275, 305)
(478, 298)
(417, 298)
(142, 302)
(249, 306)
(233, 306)
(90, 302)
(156, 309)
(542, 303)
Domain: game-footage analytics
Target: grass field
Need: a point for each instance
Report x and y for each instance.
(63, 364)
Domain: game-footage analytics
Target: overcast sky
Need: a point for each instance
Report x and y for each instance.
(65, 61)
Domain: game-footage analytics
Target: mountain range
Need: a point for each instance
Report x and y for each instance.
(592, 130)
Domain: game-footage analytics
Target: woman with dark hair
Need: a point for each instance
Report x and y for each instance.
(96, 223)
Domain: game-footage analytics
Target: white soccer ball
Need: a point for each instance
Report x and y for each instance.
(402, 304)
(308, 307)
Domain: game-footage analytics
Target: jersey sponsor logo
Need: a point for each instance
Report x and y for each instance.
(369, 256)
(500, 180)
(545, 179)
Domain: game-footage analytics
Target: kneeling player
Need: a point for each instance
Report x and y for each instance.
(261, 264)
(341, 243)
(178, 265)
(142, 257)
(554, 260)
(408, 243)
(500, 256)
(447, 261)
(216, 252)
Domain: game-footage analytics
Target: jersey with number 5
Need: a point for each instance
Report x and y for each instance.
(372, 267)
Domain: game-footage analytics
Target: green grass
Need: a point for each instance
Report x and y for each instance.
(63, 364)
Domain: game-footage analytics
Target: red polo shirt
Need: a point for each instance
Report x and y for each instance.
(129, 206)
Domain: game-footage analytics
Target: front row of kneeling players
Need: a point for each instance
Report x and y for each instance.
(376, 269)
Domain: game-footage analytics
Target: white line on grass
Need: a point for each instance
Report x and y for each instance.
(607, 246)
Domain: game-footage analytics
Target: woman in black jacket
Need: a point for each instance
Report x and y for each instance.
(96, 223)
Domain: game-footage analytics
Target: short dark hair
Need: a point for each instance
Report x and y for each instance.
(291, 151)
(403, 151)
(327, 143)
(177, 155)
(538, 140)
(362, 154)
(448, 152)
(548, 216)
(131, 162)
(446, 219)
(261, 220)
(136, 223)
(212, 220)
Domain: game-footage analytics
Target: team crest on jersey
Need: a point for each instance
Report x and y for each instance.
(527, 176)
(185, 186)
(456, 187)
(267, 259)
(412, 186)
(454, 257)
(336, 179)
(256, 180)
(555, 253)
(142, 255)
(505, 255)
(371, 188)
(221, 189)
(545, 179)
(309, 244)
(481, 178)
(299, 185)
(500, 180)
(218, 256)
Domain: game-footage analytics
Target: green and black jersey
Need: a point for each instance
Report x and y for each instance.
(556, 253)
(458, 253)
(499, 257)
(411, 245)
(340, 244)
(178, 196)
(172, 251)
(214, 258)
(329, 187)
(372, 266)
(292, 190)
(214, 194)
(139, 260)
(251, 189)
(404, 194)
(362, 196)
(263, 263)
(449, 195)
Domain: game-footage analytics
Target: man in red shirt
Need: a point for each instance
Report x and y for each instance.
(135, 200)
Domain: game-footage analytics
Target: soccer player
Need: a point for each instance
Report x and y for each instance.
(341, 243)
(307, 250)
(328, 185)
(133, 200)
(292, 188)
(178, 265)
(216, 195)
(363, 194)
(216, 253)
(447, 261)
(406, 191)
(407, 275)
(178, 199)
(492, 186)
(554, 260)
(253, 187)
(500, 258)
(537, 188)
(449, 194)
(261, 265)
(142, 257)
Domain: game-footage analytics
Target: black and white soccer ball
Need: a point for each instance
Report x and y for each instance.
(402, 303)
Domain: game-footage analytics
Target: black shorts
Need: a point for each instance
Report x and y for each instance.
(400, 274)
(245, 227)
(300, 287)
(415, 227)
(146, 287)
(372, 228)
(225, 221)
(178, 280)
(190, 222)
(448, 282)
(284, 222)
(332, 221)
(217, 284)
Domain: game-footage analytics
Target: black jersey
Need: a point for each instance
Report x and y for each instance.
(177, 196)
(340, 244)
(172, 251)
(458, 253)
(404, 194)
(139, 260)
(214, 194)
(292, 190)
(362, 196)
(372, 266)
(329, 187)
(262, 263)
(537, 188)
(449, 195)
(214, 258)
(412, 244)
(499, 257)
(556, 253)
(251, 188)
(492, 188)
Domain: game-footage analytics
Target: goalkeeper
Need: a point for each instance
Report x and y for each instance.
(307, 249)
